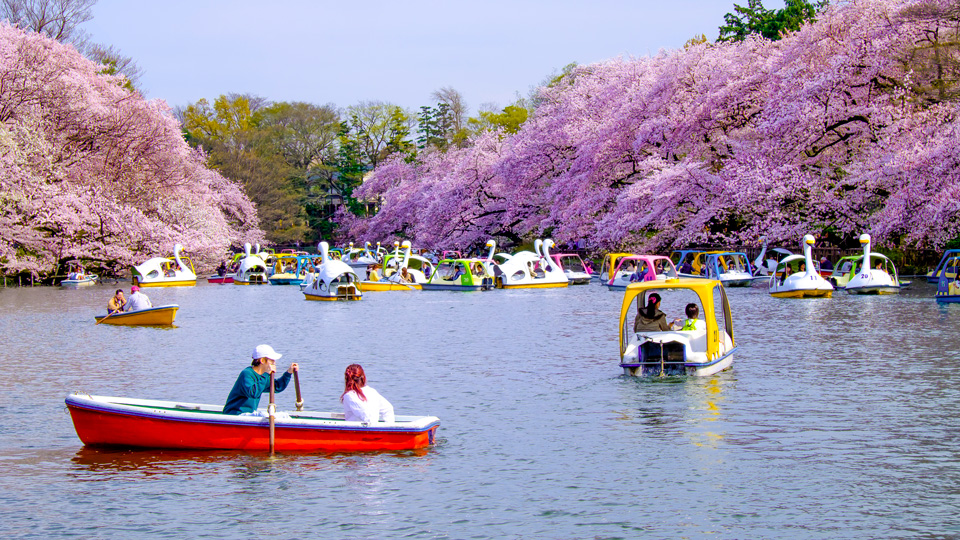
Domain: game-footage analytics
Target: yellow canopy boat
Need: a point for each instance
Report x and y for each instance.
(702, 346)
(155, 316)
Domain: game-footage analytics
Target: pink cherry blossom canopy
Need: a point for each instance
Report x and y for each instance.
(846, 126)
(91, 170)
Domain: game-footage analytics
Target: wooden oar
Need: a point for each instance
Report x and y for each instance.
(296, 385)
(271, 409)
(107, 316)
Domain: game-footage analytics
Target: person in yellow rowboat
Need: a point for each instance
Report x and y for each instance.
(116, 302)
(137, 300)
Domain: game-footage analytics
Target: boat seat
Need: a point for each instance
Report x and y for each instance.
(697, 339)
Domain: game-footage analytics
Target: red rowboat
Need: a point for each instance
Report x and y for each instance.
(143, 423)
(217, 278)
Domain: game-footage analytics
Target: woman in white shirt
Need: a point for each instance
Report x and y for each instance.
(360, 402)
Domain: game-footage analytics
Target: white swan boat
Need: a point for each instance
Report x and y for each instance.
(881, 279)
(165, 272)
(395, 266)
(252, 270)
(805, 283)
(765, 267)
(360, 258)
(526, 270)
(494, 259)
(333, 280)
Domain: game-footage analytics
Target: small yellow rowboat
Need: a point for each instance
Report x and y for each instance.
(388, 286)
(155, 316)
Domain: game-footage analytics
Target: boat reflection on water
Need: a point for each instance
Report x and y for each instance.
(159, 462)
(706, 396)
(244, 464)
(674, 405)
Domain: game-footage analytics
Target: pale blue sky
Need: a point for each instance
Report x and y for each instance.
(345, 52)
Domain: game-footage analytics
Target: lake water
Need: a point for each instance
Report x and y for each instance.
(838, 419)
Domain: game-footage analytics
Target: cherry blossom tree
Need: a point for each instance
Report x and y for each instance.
(89, 169)
(845, 126)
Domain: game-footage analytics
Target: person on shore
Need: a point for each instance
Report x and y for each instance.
(650, 318)
(116, 302)
(362, 403)
(254, 380)
(137, 301)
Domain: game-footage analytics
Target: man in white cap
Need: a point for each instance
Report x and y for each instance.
(255, 380)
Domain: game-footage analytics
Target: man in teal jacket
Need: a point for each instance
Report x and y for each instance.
(255, 380)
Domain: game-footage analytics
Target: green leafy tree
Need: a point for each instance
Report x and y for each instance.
(232, 133)
(303, 133)
(378, 129)
(432, 126)
(769, 23)
(509, 119)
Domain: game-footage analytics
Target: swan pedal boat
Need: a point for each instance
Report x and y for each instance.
(947, 263)
(732, 268)
(701, 352)
(531, 270)
(574, 268)
(393, 265)
(870, 280)
(289, 269)
(155, 316)
(473, 278)
(641, 268)
(164, 272)
(807, 284)
(609, 265)
(332, 281)
(252, 269)
(948, 284)
(144, 423)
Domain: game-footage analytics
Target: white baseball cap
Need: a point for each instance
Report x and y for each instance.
(265, 351)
